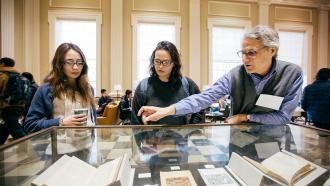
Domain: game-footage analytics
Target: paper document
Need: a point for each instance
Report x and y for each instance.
(217, 177)
(265, 150)
(269, 101)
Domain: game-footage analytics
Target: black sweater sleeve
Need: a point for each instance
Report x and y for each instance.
(138, 101)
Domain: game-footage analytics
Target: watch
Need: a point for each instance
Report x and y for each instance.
(61, 121)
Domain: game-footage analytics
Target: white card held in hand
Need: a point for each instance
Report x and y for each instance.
(269, 101)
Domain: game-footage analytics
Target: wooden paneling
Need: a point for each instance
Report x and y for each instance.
(293, 14)
(94, 4)
(157, 5)
(229, 9)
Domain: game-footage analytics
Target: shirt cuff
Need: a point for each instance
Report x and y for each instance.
(179, 109)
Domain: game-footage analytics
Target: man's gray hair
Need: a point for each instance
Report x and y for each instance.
(265, 34)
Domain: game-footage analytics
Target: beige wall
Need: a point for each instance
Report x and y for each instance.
(19, 32)
(329, 39)
(44, 40)
(0, 34)
(105, 39)
(159, 7)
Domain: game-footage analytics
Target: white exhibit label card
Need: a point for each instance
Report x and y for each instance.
(209, 166)
(175, 168)
(144, 175)
(269, 101)
(217, 177)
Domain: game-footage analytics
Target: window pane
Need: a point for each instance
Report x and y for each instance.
(226, 42)
(293, 53)
(83, 34)
(148, 35)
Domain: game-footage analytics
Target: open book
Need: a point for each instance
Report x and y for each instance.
(73, 171)
(282, 167)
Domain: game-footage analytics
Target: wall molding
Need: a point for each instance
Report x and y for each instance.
(52, 5)
(159, 9)
(308, 11)
(222, 3)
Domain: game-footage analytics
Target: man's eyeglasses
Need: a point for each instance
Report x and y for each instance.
(80, 64)
(165, 63)
(250, 53)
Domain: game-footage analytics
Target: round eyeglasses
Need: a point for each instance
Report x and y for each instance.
(250, 53)
(79, 64)
(165, 63)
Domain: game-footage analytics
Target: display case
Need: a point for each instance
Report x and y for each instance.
(154, 150)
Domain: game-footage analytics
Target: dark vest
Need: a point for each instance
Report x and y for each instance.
(243, 93)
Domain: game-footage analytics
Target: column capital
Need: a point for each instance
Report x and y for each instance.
(324, 7)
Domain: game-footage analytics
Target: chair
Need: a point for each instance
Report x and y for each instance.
(110, 115)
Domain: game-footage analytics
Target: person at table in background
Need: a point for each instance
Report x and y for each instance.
(260, 73)
(65, 88)
(316, 99)
(126, 106)
(165, 86)
(103, 101)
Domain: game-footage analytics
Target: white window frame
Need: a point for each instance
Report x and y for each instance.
(308, 42)
(222, 22)
(53, 16)
(138, 18)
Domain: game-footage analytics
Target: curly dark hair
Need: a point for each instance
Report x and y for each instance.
(8, 62)
(58, 80)
(175, 56)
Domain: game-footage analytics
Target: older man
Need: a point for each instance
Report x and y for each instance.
(253, 87)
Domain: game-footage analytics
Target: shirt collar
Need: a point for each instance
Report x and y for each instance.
(269, 74)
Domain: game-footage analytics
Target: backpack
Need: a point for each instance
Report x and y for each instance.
(16, 91)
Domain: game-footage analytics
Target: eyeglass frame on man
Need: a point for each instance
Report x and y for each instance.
(250, 53)
(165, 63)
(78, 63)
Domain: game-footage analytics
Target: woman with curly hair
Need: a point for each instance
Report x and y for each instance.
(165, 86)
(65, 88)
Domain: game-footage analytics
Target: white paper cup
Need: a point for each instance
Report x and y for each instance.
(81, 111)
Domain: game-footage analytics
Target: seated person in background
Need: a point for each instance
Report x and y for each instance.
(316, 99)
(65, 88)
(126, 106)
(165, 86)
(260, 73)
(32, 90)
(103, 101)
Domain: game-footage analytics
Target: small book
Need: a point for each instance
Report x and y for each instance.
(282, 167)
(73, 171)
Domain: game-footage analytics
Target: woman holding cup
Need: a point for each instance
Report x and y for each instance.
(65, 95)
